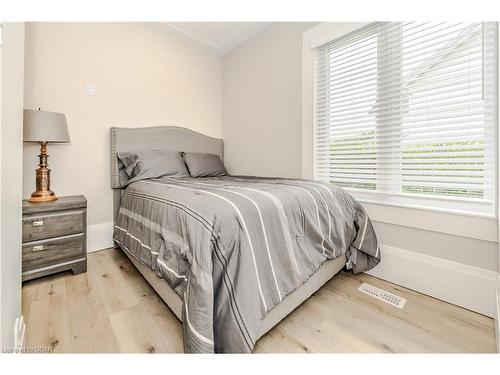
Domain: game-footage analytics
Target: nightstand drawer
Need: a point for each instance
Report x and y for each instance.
(44, 253)
(38, 227)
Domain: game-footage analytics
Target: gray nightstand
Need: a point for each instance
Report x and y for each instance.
(54, 236)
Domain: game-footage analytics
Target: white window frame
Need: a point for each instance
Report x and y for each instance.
(325, 32)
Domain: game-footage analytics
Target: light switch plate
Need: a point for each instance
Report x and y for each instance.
(90, 89)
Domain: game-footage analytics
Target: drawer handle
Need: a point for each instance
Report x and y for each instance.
(38, 223)
(38, 248)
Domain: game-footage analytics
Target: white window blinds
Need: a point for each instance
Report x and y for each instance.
(409, 110)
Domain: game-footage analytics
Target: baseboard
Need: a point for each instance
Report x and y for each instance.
(470, 287)
(99, 236)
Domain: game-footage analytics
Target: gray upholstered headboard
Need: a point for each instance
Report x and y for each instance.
(170, 138)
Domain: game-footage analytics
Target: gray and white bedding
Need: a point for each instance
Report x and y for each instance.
(234, 247)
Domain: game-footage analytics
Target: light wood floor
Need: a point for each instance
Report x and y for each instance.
(111, 308)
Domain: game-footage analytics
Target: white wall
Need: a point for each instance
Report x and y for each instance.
(261, 102)
(143, 77)
(11, 130)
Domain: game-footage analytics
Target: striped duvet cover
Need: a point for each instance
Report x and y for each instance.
(234, 247)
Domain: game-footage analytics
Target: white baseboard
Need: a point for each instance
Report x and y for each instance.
(470, 287)
(99, 236)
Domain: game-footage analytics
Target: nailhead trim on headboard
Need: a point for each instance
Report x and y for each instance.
(194, 141)
(183, 140)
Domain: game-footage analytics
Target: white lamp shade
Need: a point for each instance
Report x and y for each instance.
(43, 126)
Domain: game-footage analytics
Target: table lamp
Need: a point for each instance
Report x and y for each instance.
(44, 127)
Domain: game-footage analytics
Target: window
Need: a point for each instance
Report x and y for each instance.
(407, 112)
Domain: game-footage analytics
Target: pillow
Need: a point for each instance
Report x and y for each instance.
(140, 165)
(204, 165)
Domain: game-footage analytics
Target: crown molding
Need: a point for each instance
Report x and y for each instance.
(225, 46)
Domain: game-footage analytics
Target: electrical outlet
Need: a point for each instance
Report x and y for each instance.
(19, 330)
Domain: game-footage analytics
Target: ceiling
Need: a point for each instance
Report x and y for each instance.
(219, 37)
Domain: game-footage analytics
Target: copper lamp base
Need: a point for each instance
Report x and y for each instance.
(42, 196)
(42, 192)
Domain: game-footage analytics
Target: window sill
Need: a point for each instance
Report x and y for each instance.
(479, 208)
(454, 222)
(428, 209)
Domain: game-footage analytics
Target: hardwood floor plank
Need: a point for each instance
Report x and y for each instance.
(106, 278)
(440, 320)
(165, 322)
(138, 332)
(129, 272)
(89, 323)
(111, 308)
(47, 318)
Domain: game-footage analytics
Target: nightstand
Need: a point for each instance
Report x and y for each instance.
(54, 237)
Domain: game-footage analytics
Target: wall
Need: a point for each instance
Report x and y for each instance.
(11, 130)
(142, 77)
(497, 319)
(261, 96)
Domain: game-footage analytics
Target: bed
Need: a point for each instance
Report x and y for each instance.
(232, 256)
